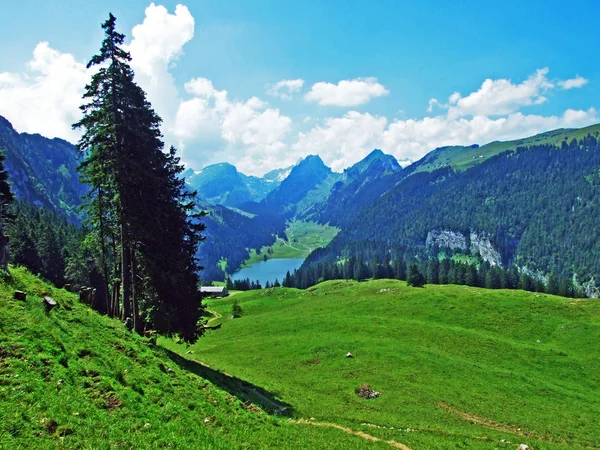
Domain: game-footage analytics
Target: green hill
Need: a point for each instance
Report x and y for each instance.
(74, 379)
(462, 157)
(457, 367)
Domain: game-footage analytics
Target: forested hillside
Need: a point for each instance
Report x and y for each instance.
(42, 171)
(536, 206)
(359, 186)
(230, 236)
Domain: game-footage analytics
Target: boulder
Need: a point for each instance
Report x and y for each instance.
(349, 355)
(49, 303)
(365, 391)
(20, 295)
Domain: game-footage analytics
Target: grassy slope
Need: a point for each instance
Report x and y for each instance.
(460, 367)
(461, 158)
(75, 379)
(303, 238)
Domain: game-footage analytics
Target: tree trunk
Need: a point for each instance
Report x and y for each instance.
(125, 269)
(103, 247)
(137, 323)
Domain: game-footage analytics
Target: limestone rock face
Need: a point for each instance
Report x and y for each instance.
(454, 240)
(480, 244)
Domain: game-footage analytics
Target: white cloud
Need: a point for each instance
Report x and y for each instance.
(576, 82)
(156, 45)
(501, 97)
(45, 98)
(220, 129)
(342, 141)
(433, 103)
(284, 89)
(346, 93)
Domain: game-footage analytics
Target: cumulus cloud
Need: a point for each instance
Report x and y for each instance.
(346, 93)
(501, 97)
(45, 98)
(284, 89)
(343, 140)
(220, 129)
(572, 83)
(155, 46)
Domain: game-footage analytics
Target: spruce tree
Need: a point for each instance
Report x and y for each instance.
(140, 214)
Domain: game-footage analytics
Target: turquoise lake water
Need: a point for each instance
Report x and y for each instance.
(268, 270)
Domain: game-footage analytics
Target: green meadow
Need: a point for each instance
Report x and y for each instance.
(73, 379)
(302, 239)
(456, 366)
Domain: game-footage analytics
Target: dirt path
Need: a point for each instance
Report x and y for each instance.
(215, 314)
(483, 421)
(366, 436)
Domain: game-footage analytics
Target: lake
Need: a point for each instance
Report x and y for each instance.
(268, 270)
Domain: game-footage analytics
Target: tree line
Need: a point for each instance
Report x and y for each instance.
(417, 272)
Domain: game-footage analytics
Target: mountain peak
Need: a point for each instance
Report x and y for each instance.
(314, 160)
(374, 161)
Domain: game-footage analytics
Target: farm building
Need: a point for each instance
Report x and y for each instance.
(214, 291)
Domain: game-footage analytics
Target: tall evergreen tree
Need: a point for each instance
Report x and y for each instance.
(140, 213)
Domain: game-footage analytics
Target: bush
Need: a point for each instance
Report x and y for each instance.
(236, 309)
(415, 278)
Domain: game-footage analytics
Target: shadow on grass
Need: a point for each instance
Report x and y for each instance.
(247, 392)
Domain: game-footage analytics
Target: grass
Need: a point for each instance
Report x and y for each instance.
(457, 367)
(303, 238)
(74, 379)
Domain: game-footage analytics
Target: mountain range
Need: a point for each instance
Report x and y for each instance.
(529, 203)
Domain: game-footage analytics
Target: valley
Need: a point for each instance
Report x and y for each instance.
(302, 239)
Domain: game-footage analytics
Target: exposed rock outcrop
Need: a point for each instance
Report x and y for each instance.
(481, 245)
(454, 240)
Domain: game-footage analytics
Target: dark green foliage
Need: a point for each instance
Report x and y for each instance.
(246, 285)
(536, 204)
(47, 244)
(414, 277)
(236, 309)
(6, 195)
(229, 235)
(141, 215)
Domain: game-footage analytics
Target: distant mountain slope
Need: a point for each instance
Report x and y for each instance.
(222, 184)
(42, 171)
(303, 178)
(462, 157)
(538, 206)
(360, 186)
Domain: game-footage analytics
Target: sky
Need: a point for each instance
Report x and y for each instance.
(261, 84)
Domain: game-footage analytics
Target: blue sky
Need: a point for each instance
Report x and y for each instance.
(363, 74)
